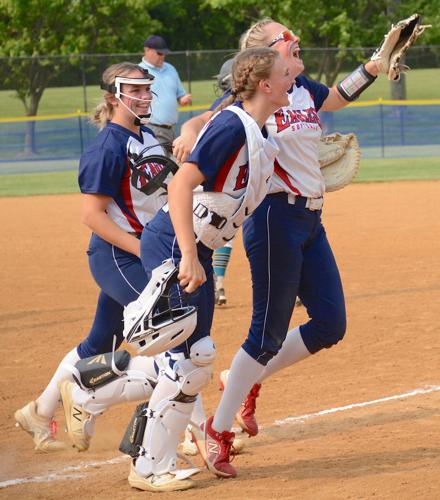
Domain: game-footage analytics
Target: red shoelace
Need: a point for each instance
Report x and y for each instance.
(249, 403)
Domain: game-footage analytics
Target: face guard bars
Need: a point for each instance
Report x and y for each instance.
(115, 89)
(159, 319)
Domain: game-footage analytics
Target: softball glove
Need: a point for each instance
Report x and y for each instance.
(339, 157)
(396, 43)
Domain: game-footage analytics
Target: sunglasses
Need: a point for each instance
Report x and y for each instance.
(286, 36)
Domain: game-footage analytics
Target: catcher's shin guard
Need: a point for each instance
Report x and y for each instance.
(95, 371)
(171, 406)
(136, 384)
(132, 440)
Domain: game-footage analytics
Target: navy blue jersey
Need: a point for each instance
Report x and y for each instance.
(219, 100)
(317, 91)
(105, 169)
(221, 154)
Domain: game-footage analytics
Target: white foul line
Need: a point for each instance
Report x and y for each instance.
(71, 471)
(64, 473)
(416, 392)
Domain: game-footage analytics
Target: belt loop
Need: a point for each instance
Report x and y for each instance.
(291, 198)
(314, 203)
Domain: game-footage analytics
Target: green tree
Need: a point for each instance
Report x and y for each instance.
(196, 25)
(33, 33)
(335, 26)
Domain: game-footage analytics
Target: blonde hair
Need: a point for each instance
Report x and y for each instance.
(249, 67)
(255, 36)
(104, 111)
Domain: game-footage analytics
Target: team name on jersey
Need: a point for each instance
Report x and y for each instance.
(296, 118)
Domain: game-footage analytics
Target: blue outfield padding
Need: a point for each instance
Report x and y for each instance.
(384, 131)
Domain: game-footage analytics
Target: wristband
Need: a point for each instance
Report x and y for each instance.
(352, 86)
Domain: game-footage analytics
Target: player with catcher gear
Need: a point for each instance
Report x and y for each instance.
(285, 240)
(233, 172)
(122, 177)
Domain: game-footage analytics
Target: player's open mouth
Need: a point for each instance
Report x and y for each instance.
(296, 52)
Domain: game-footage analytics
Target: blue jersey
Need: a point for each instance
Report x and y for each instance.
(221, 154)
(105, 169)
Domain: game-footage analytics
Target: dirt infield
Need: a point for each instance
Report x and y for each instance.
(386, 238)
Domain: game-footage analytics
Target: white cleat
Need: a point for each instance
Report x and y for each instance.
(164, 482)
(39, 428)
(220, 297)
(78, 420)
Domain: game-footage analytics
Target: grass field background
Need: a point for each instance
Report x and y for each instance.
(420, 84)
(372, 170)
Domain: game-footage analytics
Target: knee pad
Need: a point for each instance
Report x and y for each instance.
(136, 384)
(193, 374)
(203, 352)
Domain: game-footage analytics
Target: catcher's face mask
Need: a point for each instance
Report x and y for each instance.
(115, 89)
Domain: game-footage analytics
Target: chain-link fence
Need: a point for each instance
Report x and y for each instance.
(384, 130)
(72, 82)
(35, 74)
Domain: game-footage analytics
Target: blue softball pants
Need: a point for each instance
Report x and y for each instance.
(159, 243)
(290, 256)
(121, 277)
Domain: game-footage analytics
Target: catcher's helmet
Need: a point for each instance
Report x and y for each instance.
(224, 78)
(159, 319)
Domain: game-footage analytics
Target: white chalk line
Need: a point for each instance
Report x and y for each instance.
(416, 392)
(64, 473)
(73, 471)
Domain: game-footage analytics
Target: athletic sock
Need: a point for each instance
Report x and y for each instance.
(243, 374)
(220, 260)
(292, 351)
(49, 399)
(219, 282)
(198, 414)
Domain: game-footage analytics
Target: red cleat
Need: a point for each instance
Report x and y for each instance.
(215, 448)
(246, 414)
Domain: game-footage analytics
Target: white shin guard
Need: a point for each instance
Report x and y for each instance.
(171, 406)
(136, 384)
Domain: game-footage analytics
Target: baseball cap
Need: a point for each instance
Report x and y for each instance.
(157, 43)
(224, 77)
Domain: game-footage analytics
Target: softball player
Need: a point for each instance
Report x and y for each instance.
(233, 162)
(288, 251)
(116, 212)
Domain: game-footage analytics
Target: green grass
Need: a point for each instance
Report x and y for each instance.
(39, 183)
(372, 170)
(399, 169)
(421, 84)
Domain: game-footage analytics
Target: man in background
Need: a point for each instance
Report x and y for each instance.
(168, 90)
